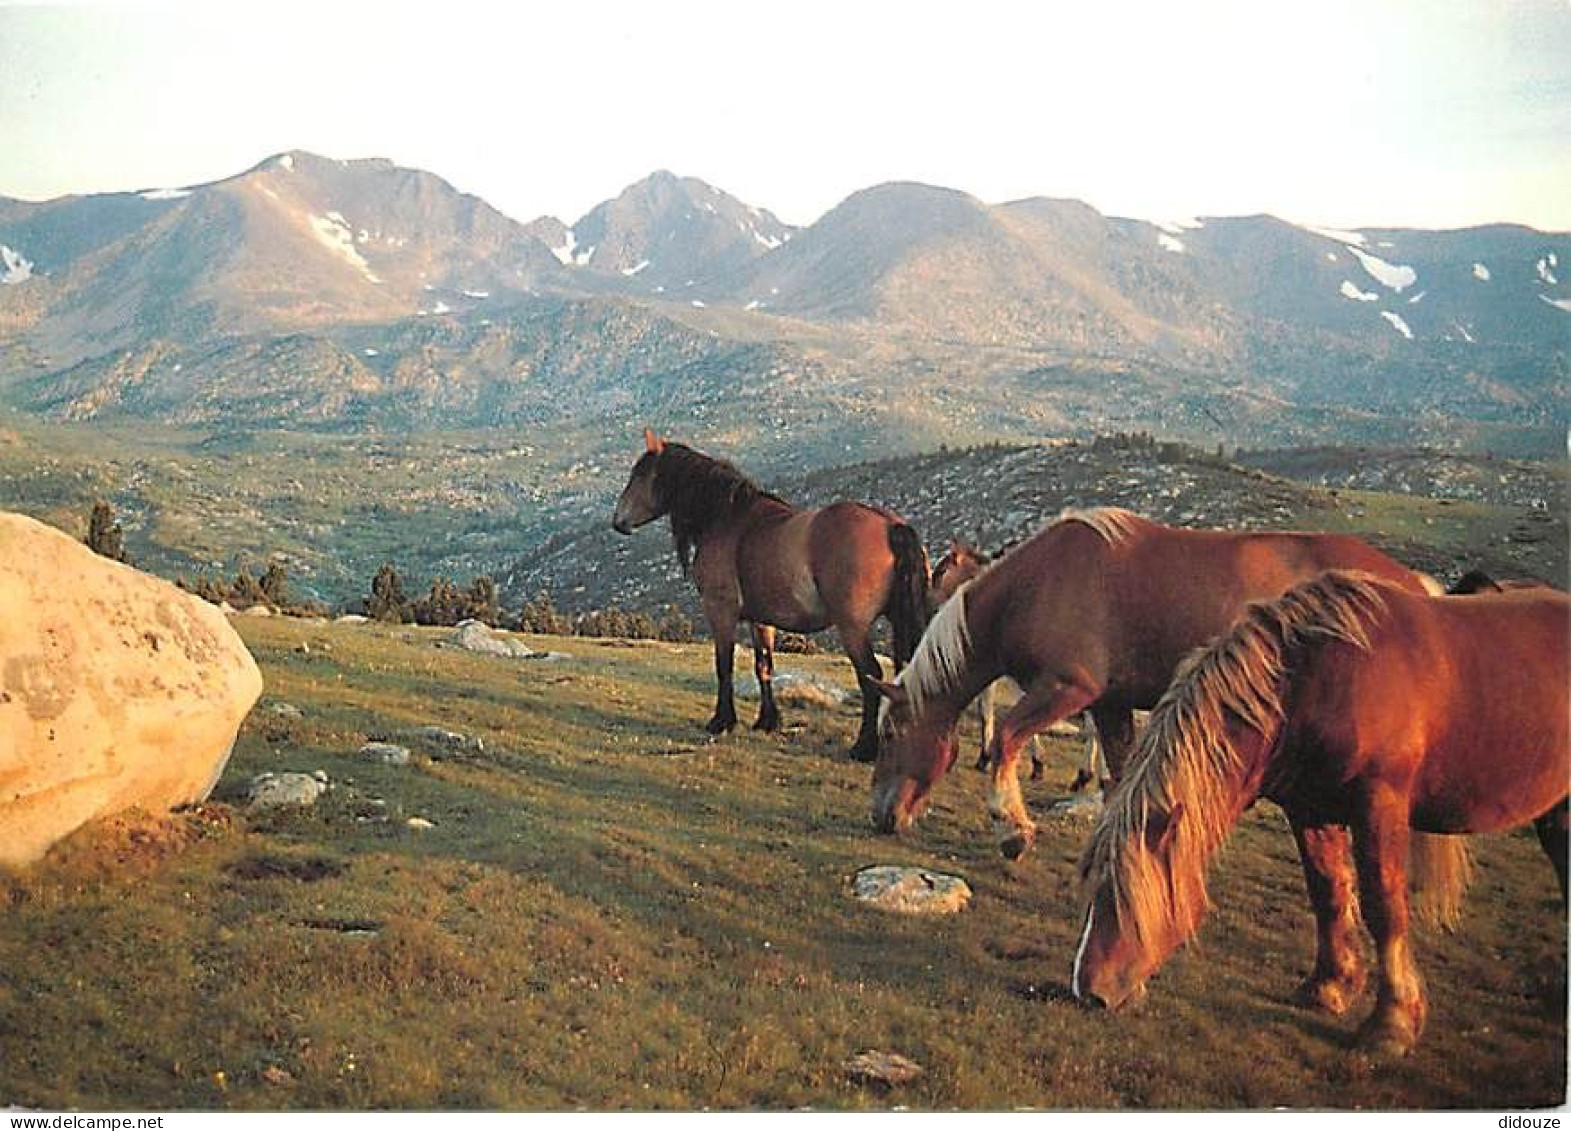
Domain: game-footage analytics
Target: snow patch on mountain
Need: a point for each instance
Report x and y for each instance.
(1544, 272)
(1559, 303)
(1352, 292)
(166, 194)
(635, 268)
(769, 242)
(1171, 243)
(1480, 272)
(564, 254)
(1396, 321)
(334, 233)
(17, 269)
(1396, 276)
(1351, 239)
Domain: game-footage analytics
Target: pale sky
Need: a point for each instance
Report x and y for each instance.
(1346, 113)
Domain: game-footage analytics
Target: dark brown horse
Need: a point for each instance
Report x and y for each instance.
(1354, 705)
(757, 558)
(1093, 612)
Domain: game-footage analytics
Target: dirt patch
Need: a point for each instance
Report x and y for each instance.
(302, 869)
(130, 842)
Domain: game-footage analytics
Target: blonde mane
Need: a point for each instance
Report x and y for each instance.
(940, 659)
(1185, 757)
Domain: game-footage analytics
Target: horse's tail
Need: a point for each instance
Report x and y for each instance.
(907, 608)
(1439, 868)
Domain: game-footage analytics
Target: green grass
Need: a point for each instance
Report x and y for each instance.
(613, 912)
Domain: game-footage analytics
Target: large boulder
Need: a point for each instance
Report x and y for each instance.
(116, 689)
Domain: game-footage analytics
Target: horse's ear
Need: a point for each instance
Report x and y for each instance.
(653, 443)
(890, 691)
(1160, 832)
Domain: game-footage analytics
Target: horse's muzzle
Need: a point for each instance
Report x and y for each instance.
(620, 525)
(893, 810)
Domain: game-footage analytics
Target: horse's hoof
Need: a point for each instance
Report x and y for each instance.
(981, 763)
(1387, 1037)
(1329, 995)
(769, 725)
(719, 724)
(861, 753)
(1036, 771)
(1015, 845)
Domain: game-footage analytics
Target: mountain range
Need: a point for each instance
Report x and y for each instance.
(312, 293)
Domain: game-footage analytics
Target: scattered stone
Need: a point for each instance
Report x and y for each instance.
(276, 1076)
(1085, 806)
(117, 690)
(881, 1069)
(910, 891)
(387, 753)
(351, 618)
(420, 823)
(273, 791)
(795, 687)
(447, 739)
(257, 611)
(284, 710)
(475, 636)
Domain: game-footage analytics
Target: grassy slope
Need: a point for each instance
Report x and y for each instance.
(612, 913)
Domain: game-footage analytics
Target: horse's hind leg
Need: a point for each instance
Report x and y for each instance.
(859, 650)
(1552, 828)
(1380, 846)
(764, 669)
(1338, 976)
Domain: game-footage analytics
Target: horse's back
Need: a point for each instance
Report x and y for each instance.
(1466, 697)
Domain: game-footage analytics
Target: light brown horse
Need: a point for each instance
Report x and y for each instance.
(961, 563)
(756, 558)
(1093, 612)
(1353, 705)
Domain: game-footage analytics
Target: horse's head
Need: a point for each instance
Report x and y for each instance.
(913, 753)
(959, 565)
(640, 502)
(1139, 909)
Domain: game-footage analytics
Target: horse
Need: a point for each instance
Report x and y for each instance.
(756, 558)
(1477, 581)
(1093, 612)
(1371, 716)
(961, 563)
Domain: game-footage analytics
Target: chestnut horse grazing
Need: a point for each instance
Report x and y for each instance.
(1093, 612)
(962, 563)
(756, 558)
(1354, 705)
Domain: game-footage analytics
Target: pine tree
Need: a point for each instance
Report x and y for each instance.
(387, 596)
(103, 533)
(275, 585)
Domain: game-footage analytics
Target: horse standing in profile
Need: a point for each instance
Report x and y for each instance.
(756, 558)
(961, 563)
(1354, 705)
(1094, 612)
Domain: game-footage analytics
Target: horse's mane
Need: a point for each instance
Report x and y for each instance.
(698, 492)
(940, 658)
(1114, 524)
(1184, 756)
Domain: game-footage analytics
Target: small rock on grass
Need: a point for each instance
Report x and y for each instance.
(420, 823)
(272, 791)
(881, 1069)
(385, 752)
(910, 891)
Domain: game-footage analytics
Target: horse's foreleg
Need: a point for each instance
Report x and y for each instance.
(859, 649)
(764, 669)
(1093, 767)
(986, 712)
(1042, 706)
(1552, 834)
(1380, 843)
(1338, 976)
(723, 624)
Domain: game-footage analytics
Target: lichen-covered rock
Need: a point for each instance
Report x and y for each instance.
(911, 891)
(388, 753)
(881, 1069)
(116, 689)
(274, 791)
(475, 636)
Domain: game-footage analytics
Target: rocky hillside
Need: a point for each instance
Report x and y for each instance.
(360, 295)
(1513, 523)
